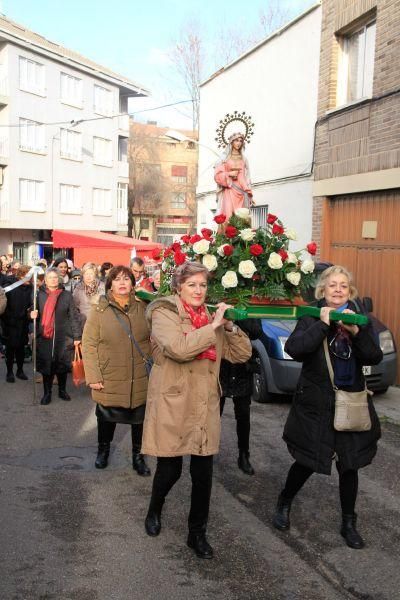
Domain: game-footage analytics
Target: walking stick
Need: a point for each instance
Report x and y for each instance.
(34, 335)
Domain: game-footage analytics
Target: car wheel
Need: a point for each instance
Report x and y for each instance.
(260, 389)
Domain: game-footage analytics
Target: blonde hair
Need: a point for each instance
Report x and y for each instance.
(334, 270)
(89, 266)
(183, 272)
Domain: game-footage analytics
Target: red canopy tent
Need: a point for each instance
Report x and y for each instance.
(100, 247)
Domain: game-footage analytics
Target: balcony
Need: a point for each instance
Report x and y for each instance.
(3, 151)
(4, 96)
(123, 123)
(123, 169)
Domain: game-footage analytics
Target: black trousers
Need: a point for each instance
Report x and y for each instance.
(348, 485)
(106, 429)
(48, 381)
(241, 405)
(17, 354)
(169, 470)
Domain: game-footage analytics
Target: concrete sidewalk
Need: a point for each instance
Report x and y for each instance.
(388, 405)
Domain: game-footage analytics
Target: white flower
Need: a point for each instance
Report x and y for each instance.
(220, 249)
(291, 258)
(293, 278)
(247, 235)
(210, 261)
(275, 261)
(291, 233)
(308, 266)
(201, 247)
(164, 265)
(247, 268)
(242, 213)
(229, 280)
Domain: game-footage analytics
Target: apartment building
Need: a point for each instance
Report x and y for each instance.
(356, 212)
(64, 132)
(163, 177)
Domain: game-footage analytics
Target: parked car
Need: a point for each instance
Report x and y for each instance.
(278, 373)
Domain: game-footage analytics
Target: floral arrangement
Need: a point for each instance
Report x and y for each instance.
(243, 262)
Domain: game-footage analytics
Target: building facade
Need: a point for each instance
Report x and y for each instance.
(64, 132)
(276, 84)
(163, 178)
(356, 212)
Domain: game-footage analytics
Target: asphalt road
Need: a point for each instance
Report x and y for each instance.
(70, 532)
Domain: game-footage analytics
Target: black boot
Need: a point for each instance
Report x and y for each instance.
(349, 532)
(139, 464)
(281, 519)
(10, 377)
(21, 375)
(47, 386)
(62, 384)
(152, 522)
(103, 452)
(244, 463)
(198, 543)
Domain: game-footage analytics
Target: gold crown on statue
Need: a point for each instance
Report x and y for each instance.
(240, 124)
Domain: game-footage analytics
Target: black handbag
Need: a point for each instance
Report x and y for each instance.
(147, 360)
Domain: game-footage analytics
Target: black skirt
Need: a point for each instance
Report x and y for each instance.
(118, 414)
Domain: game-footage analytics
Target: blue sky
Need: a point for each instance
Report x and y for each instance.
(133, 36)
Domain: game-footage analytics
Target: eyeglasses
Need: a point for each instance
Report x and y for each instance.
(340, 347)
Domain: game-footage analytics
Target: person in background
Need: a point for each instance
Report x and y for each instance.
(114, 367)
(88, 291)
(182, 413)
(155, 281)
(5, 264)
(104, 270)
(138, 271)
(58, 331)
(309, 432)
(76, 277)
(237, 383)
(62, 267)
(15, 325)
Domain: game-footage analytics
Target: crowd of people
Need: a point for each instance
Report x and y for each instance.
(167, 368)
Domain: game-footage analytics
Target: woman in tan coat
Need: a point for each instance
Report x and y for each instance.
(182, 414)
(115, 364)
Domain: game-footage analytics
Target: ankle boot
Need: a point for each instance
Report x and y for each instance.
(349, 532)
(47, 387)
(198, 542)
(152, 522)
(139, 464)
(244, 463)
(10, 377)
(21, 375)
(62, 384)
(281, 519)
(103, 453)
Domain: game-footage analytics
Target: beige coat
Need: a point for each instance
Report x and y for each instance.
(182, 411)
(109, 357)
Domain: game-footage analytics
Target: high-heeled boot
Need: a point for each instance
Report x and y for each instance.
(350, 533)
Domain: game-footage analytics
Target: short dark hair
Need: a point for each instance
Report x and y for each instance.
(115, 271)
(139, 261)
(106, 266)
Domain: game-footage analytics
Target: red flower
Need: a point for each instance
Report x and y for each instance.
(156, 253)
(176, 246)
(206, 233)
(256, 249)
(283, 254)
(179, 257)
(228, 250)
(185, 239)
(231, 231)
(220, 218)
(271, 218)
(195, 238)
(277, 229)
(256, 277)
(312, 248)
(167, 252)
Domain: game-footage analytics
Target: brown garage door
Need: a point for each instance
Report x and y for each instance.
(374, 262)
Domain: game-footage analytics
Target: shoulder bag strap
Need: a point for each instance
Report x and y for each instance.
(329, 363)
(129, 332)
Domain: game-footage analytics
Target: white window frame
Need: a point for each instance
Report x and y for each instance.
(31, 136)
(365, 65)
(102, 151)
(70, 144)
(32, 195)
(102, 100)
(70, 199)
(101, 202)
(71, 90)
(122, 204)
(32, 76)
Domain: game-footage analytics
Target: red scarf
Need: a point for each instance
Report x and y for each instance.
(199, 318)
(48, 313)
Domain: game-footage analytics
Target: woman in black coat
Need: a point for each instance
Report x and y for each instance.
(237, 383)
(309, 432)
(15, 324)
(58, 331)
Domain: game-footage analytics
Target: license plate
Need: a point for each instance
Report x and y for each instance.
(367, 370)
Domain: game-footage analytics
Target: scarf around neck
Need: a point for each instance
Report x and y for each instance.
(199, 318)
(48, 316)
